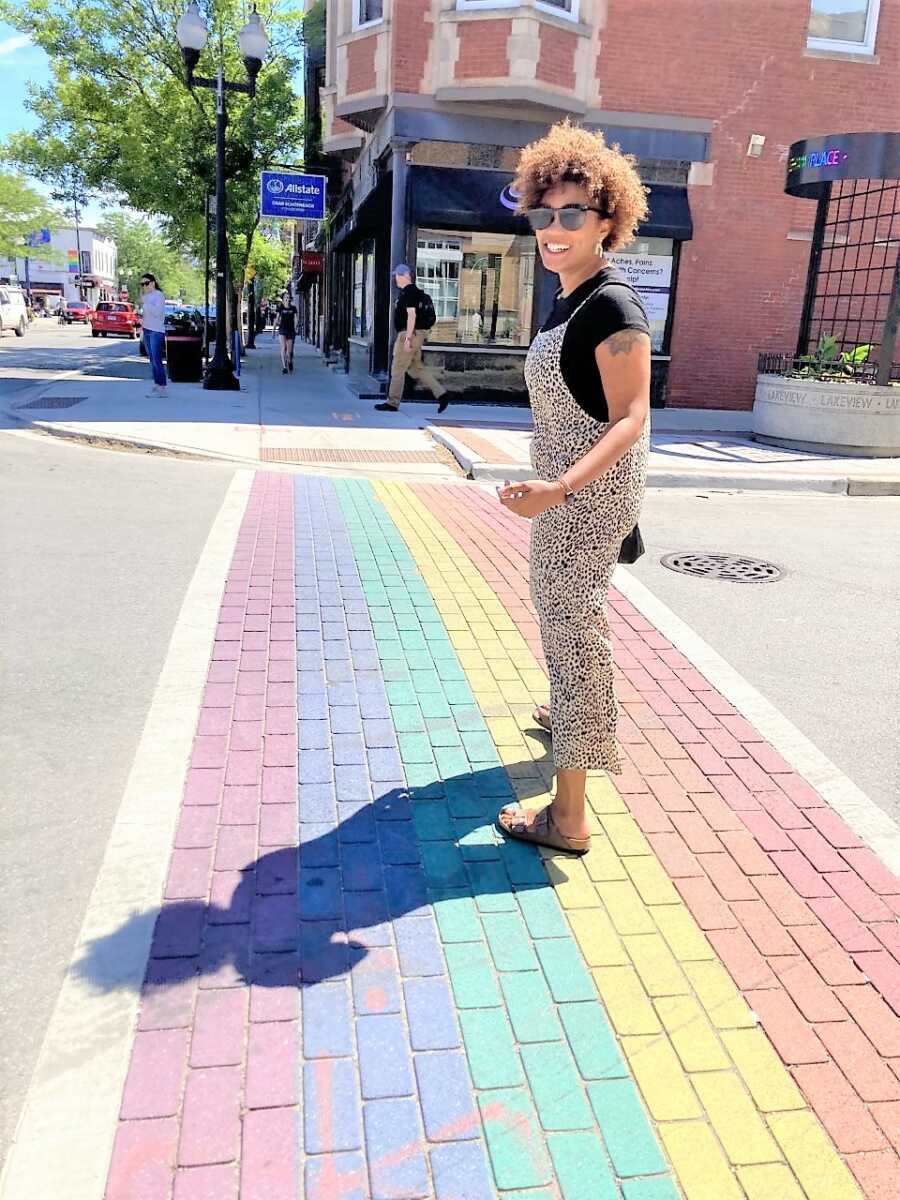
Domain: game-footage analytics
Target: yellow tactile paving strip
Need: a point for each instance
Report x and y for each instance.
(730, 1116)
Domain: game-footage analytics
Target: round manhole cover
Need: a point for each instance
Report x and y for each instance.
(735, 567)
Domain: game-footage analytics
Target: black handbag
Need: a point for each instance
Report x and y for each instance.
(632, 547)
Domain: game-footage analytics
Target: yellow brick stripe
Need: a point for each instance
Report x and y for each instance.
(733, 1123)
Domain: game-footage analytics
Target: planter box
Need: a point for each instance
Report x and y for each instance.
(856, 420)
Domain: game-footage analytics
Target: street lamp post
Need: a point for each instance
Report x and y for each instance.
(254, 42)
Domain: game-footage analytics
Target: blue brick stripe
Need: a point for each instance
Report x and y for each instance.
(508, 949)
(379, 1022)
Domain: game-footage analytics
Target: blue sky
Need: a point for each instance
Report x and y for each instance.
(21, 63)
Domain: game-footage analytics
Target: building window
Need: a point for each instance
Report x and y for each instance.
(367, 12)
(564, 8)
(848, 25)
(482, 285)
(647, 265)
(86, 262)
(363, 292)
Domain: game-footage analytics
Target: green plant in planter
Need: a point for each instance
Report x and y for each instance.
(829, 362)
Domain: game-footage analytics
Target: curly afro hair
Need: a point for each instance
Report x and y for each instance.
(569, 154)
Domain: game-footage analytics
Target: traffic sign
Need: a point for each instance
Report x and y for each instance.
(289, 195)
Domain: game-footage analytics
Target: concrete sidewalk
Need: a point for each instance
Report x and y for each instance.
(495, 449)
(313, 419)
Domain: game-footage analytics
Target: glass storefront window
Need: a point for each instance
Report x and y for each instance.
(482, 285)
(363, 291)
(647, 265)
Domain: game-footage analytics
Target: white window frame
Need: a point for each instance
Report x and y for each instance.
(867, 46)
(485, 5)
(356, 23)
(565, 14)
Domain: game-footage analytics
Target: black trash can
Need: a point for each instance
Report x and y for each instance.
(184, 357)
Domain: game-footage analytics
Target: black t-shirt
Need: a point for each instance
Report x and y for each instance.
(287, 316)
(616, 306)
(408, 298)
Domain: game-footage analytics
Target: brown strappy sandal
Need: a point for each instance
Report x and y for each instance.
(542, 831)
(541, 716)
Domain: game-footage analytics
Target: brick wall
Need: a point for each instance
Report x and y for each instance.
(361, 65)
(411, 34)
(483, 52)
(556, 64)
(741, 65)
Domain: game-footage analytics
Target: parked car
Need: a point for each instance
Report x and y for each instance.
(116, 317)
(74, 311)
(13, 310)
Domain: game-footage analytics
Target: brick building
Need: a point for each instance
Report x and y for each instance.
(426, 103)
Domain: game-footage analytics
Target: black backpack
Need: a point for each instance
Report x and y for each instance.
(426, 317)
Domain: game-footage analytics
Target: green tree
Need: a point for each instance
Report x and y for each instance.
(23, 210)
(118, 109)
(141, 248)
(270, 262)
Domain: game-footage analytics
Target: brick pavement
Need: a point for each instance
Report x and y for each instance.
(370, 994)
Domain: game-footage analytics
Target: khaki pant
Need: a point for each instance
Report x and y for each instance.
(409, 362)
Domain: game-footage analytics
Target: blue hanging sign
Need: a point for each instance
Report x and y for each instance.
(285, 194)
(40, 237)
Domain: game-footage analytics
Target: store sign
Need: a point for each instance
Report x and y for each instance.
(816, 159)
(312, 262)
(287, 195)
(40, 237)
(644, 270)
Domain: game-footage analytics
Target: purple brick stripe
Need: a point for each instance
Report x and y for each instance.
(211, 1104)
(385, 1081)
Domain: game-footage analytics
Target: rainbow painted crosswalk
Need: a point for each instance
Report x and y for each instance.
(358, 989)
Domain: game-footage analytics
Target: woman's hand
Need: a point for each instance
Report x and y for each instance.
(531, 497)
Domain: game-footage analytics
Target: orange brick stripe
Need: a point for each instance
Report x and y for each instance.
(800, 912)
(305, 454)
(482, 447)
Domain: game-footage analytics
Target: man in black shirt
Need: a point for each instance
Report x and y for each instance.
(407, 358)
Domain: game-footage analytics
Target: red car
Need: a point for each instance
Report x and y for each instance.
(74, 310)
(114, 316)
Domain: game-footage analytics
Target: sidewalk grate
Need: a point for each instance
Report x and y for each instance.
(733, 567)
(54, 402)
(308, 455)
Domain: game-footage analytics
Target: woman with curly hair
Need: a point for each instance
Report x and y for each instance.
(588, 377)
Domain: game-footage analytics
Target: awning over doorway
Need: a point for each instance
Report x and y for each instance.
(463, 198)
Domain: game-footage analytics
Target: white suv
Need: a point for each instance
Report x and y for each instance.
(13, 313)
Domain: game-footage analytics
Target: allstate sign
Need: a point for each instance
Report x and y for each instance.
(285, 194)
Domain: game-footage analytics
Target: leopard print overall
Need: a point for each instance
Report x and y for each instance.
(574, 548)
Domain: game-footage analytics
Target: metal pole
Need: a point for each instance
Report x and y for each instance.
(206, 291)
(815, 258)
(220, 376)
(889, 337)
(251, 315)
(27, 281)
(78, 241)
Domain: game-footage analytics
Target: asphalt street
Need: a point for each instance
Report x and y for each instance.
(98, 548)
(823, 642)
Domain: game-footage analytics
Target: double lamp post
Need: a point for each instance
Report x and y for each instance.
(254, 43)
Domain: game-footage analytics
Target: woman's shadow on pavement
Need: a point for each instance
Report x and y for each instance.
(302, 915)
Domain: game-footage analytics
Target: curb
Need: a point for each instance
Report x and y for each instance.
(479, 468)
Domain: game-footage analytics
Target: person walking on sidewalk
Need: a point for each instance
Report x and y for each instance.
(408, 344)
(153, 331)
(285, 325)
(588, 378)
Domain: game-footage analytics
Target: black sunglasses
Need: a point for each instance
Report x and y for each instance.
(571, 216)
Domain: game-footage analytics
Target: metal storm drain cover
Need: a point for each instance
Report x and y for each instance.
(54, 402)
(734, 567)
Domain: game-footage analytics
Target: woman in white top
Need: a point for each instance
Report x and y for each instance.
(153, 322)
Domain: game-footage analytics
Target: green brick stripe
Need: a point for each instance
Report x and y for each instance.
(555, 1096)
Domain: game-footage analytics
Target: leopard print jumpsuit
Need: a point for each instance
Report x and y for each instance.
(574, 548)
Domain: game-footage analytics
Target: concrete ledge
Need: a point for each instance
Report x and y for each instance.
(853, 420)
